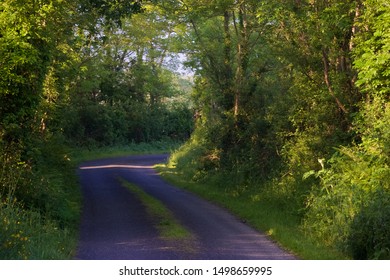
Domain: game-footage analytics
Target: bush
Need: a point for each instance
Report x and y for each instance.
(193, 157)
(25, 234)
(13, 240)
(370, 230)
(349, 206)
(39, 204)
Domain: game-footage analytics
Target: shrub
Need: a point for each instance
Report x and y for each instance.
(26, 234)
(370, 230)
(349, 206)
(39, 204)
(13, 240)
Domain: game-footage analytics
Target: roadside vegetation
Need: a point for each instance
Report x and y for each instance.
(284, 107)
(39, 205)
(77, 78)
(268, 211)
(293, 129)
(145, 148)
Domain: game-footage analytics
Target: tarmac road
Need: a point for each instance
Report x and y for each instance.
(115, 225)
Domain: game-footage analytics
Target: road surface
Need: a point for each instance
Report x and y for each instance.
(115, 224)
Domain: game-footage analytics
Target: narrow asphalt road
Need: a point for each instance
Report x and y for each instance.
(115, 224)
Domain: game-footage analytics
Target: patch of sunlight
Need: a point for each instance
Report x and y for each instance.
(256, 198)
(271, 232)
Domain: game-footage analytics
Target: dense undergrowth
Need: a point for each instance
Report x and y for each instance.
(348, 207)
(339, 210)
(39, 205)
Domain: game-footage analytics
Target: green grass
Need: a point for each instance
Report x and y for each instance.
(261, 209)
(39, 206)
(167, 225)
(169, 228)
(33, 234)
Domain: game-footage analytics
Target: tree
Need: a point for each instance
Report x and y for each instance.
(36, 37)
(314, 39)
(125, 83)
(235, 85)
(38, 61)
(25, 45)
(349, 208)
(372, 48)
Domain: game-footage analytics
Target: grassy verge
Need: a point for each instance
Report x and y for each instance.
(169, 228)
(262, 210)
(167, 225)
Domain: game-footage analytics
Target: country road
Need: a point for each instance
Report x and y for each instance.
(115, 224)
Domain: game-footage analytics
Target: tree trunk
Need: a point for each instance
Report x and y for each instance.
(242, 54)
(328, 83)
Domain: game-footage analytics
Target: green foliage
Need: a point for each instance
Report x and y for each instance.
(313, 80)
(279, 86)
(89, 124)
(26, 234)
(347, 193)
(238, 87)
(39, 204)
(24, 49)
(313, 39)
(369, 237)
(353, 187)
(13, 239)
(112, 10)
(124, 92)
(373, 48)
(193, 158)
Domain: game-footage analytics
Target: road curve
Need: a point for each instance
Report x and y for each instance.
(115, 225)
